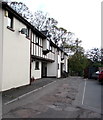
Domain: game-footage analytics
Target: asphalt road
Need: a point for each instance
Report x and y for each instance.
(56, 101)
(93, 94)
(90, 95)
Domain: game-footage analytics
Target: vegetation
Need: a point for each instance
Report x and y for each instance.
(78, 61)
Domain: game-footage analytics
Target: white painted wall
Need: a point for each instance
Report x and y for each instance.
(52, 67)
(36, 74)
(1, 48)
(16, 57)
(66, 63)
(59, 62)
(51, 56)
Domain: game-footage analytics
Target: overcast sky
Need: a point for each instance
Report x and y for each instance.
(82, 17)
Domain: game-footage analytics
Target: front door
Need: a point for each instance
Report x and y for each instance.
(44, 69)
(62, 69)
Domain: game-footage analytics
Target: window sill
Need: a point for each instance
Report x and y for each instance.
(37, 69)
(10, 28)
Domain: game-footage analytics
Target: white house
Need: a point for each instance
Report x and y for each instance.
(26, 53)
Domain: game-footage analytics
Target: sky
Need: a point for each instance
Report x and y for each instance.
(82, 17)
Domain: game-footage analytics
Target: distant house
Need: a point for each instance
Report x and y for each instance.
(27, 53)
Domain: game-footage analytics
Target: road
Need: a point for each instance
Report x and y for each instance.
(90, 95)
(93, 94)
(57, 100)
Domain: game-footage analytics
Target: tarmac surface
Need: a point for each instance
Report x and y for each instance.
(14, 93)
(56, 100)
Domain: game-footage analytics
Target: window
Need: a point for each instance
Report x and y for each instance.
(10, 21)
(37, 40)
(28, 33)
(36, 65)
(40, 40)
(58, 52)
(50, 48)
(58, 65)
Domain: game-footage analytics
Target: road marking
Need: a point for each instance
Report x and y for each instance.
(84, 92)
(27, 93)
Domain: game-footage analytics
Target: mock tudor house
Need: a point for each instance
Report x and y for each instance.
(27, 53)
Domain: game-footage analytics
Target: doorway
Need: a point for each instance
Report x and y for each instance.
(44, 69)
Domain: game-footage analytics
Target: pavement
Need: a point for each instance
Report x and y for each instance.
(16, 93)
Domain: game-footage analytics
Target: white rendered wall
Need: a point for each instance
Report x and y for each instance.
(59, 62)
(66, 63)
(36, 74)
(1, 47)
(52, 67)
(16, 57)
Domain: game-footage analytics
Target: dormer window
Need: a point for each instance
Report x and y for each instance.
(10, 21)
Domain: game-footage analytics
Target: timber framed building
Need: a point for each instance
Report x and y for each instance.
(27, 53)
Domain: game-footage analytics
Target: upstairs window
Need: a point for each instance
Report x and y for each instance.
(10, 21)
(28, 33)
(40, 40)
(51, 48)
(48, 45)
(37, 40)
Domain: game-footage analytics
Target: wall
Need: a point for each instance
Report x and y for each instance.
(59, 62)
(1, 47)
(66, 63)
(52, 67)
(16, 57)
(36, 74)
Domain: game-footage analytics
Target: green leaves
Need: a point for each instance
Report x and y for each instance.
(77, 63)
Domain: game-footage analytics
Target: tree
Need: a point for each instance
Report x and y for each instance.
(73, 45)
(94, 54)
(23, 10)
(42, 22)
(40, 19)
(77, 63)
(60, 36)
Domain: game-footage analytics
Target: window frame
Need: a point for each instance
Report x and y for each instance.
(28, 33)
(37, 40)
(37, 65)
(58, 66)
